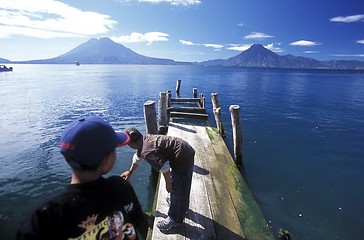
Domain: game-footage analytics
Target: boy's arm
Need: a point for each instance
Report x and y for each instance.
(168, 179)
(134, 165)
(127, 174)
(166, 170)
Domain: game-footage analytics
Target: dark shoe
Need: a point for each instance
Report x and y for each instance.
(167, 223)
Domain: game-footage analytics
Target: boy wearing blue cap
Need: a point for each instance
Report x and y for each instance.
(91, 207)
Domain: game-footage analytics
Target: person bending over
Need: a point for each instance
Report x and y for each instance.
(174, 158)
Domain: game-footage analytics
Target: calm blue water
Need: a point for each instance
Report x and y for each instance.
(303, 135)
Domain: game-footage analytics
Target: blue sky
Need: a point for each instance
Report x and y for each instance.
(184, 30)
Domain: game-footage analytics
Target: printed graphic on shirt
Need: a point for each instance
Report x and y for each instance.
(112, 227)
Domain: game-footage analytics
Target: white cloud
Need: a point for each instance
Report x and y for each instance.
(241, 24)
(304, 43)
(239, 47)
(148, 37)
(348, 19)
(188, 43)
(7, 31)
(257, 35)
(311, 52)
(217, 47)
(273, 48)
(347, 55)
(360, 41)
(50, 19)
(172, 2)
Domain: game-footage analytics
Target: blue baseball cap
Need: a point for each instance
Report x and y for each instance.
(86, 141)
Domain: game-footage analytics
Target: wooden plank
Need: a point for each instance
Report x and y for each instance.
(188, 115)
(227, 224)
(187, 109)
(185, 100)
(248, 212)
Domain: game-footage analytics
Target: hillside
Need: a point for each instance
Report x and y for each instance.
(259, 56)
(102, 51)
(3, 60)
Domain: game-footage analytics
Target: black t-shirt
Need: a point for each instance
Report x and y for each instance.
(102, 209)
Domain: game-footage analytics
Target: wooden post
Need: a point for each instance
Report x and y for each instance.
(169, 103)
(162, 113)
(202, 100)
(150, 117)
(194, 90)
(237, 134)
(169, 98)
(217, 113)
(178, 86)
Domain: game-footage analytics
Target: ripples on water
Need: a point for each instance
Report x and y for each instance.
(303, 135)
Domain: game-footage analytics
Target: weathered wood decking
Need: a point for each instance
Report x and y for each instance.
(221, 204)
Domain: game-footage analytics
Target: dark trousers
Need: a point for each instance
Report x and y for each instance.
(180, 196)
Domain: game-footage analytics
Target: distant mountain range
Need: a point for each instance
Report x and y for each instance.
(259, 56)
(106, 51)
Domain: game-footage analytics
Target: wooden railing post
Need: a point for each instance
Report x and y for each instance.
(169, 98)
(217, 113)
(162, 113)
(202, 100)
(237, 134)
(194, 91)
(178, 86)
(150, 117)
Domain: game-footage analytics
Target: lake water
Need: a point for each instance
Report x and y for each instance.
(303, 134)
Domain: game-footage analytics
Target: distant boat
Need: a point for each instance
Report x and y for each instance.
(4, 68)
(77, 63)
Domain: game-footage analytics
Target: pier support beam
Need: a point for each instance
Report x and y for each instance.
(162, 113)
(194, 91)
(169, 98)
(150, 117)
(178, 86)
(202, 100)
(217, 113)
(237, 134)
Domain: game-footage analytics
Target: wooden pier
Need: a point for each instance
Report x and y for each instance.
(221, 204)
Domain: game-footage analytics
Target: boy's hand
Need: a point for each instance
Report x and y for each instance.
(126, 175)
(168, 179)
(169, 186)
